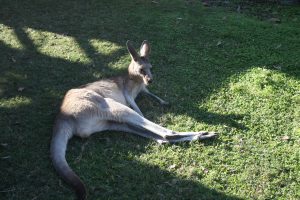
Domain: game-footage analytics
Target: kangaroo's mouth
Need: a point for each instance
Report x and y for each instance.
(147, 80)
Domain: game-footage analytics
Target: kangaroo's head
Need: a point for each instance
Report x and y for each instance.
(140, 67)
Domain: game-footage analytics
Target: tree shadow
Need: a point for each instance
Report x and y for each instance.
(46, 79)
(97, 23)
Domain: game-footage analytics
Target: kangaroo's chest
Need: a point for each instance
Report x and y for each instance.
(136, 90)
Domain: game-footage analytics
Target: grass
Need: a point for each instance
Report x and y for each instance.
(223, 71)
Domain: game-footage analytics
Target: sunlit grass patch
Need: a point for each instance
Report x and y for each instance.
(264, 83)
(121, 63)
(266, 99)
(9, 37)
(104, 47)
(57, 45)
(15, 102)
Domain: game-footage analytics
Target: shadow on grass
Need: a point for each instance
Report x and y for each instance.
(113, 172)
(45, 79)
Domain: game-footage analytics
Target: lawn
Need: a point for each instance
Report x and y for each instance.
(236, 73)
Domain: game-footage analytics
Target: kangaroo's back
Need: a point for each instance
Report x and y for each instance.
(112, 88)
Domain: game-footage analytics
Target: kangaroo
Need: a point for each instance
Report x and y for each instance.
(105, 105)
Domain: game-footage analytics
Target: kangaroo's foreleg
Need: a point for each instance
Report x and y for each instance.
(161, 101)
(132, 103)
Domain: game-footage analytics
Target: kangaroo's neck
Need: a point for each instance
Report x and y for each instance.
(132, 81)
(133, 84)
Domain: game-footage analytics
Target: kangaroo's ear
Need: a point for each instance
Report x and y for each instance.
(145, 49)
(134, 55)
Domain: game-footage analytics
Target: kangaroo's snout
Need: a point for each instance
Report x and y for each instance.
(150, 80)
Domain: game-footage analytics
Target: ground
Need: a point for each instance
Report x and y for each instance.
(234, 70)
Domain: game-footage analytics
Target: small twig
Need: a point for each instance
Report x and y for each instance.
(9, 190)
(36, 197)
(4, 144)
(5, 157)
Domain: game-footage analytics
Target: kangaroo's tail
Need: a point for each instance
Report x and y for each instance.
(63, 131)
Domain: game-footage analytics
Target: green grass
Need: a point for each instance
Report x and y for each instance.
(223, 71)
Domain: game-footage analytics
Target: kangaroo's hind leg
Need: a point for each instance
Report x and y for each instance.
(135, 123)
(116, 126)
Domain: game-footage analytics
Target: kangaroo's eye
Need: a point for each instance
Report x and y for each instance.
(142, 71)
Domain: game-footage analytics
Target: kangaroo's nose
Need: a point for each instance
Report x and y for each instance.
(149, 80)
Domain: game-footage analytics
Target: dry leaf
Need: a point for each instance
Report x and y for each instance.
(274, 20)
(278, 67)
(13, 59)
(174, 181)
(4, 144)
(20, 89)
(172, 166)
(205, 3)
(285, 138)
(238, 9)
(278, 46)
